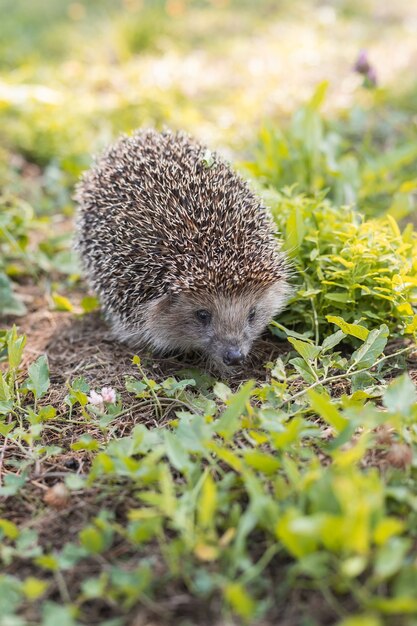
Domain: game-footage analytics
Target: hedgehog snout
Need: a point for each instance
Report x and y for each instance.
(229, 351)
(233, 356)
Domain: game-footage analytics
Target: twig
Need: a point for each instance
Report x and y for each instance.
(2, 454)
(62, 587)
(316, 322)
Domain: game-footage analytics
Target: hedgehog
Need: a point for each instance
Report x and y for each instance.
(181, 253)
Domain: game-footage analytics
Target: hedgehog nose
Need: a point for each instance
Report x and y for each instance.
(232, 356)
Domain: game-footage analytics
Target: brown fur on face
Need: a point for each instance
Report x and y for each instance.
(171, 323)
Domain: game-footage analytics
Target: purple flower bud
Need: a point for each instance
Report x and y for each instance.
(362, 65)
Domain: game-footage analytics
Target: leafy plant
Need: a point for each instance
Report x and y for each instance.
(224, 496)
(20, 257)
(361, 269)
(16, 218)
(343, 158)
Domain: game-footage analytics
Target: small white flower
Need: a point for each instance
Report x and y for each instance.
(95, 398)
(108, 394)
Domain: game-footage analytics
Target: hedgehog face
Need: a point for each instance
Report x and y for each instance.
(223, 327)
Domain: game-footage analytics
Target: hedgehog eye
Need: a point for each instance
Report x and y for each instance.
(203, 316)
(251, 316)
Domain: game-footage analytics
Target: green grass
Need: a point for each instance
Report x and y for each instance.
(286, 492)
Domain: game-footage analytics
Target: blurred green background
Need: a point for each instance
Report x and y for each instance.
(272, 85)
(74, 74)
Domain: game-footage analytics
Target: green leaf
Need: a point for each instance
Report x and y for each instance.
(103, 463)
(10, 596)
(335, 296)
(332, 340)
(143, 530)
(400, 395)
(278, 371)
(299, 533)
(80, 384)
(373, 347)
(10, 304)
(229, 422)
(207, 503)
(390, 557)
(173, 387)
(78, 392)
(5, 429)
(5, 393)
(303, 368)
(402, 605)
(361, 381)
(227, 456)
(356, 330)
(53, 614)
(34, 588)
(176, 452)
(319, 95)
(48, 562)
(62, 303)
(307, 351)
(12, 485)
(38, 380)
(322, 404)
(75, 482)
(295, 229)
(287, 332)
(94, 587)
(95, 539)
(361, 620)
(386, 528)
(15, 346)
(135, 386)
(261, 461)
(47, 413)
(86, 442)
(6, 407)
(222, 391)
(168, 500)
(89, 304)
(288, 436)
(240, 600)
(9, 529)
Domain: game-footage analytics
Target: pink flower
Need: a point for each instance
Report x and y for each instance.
(108, 394)
(96, 399)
